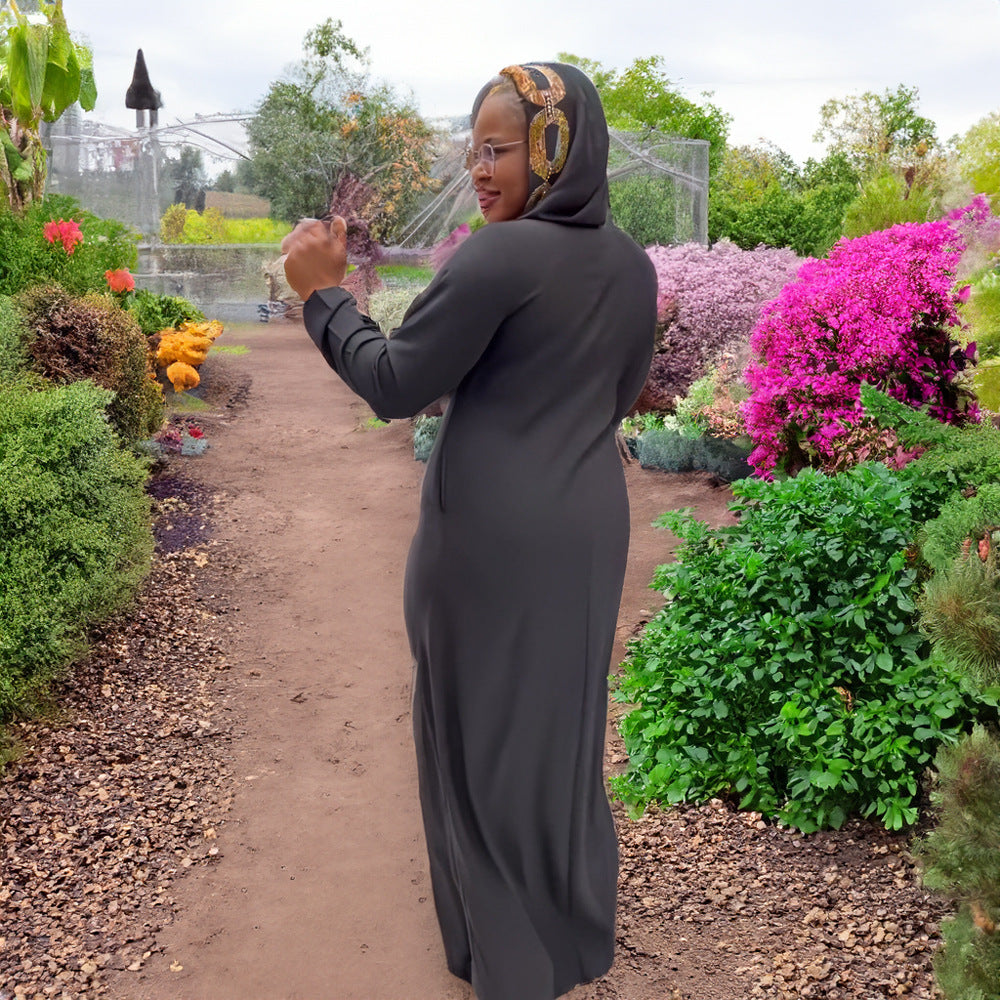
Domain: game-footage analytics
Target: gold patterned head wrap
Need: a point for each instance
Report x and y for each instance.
(548, 126)
(567, 141)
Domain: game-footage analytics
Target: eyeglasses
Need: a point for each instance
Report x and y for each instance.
(486, 154)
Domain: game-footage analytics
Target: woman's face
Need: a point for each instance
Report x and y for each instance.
(502, 192)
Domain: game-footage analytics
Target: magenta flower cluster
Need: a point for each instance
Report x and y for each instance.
(708, 302)
(880, 309)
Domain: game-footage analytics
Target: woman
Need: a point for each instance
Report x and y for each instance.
(541, 328)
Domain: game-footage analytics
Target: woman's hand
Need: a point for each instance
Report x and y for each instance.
(315, 255)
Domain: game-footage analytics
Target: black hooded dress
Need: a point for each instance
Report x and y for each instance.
(542, 331)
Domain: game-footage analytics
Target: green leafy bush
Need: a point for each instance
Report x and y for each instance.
(154, 312)
(886, 200)
(74, 530)
(785, 669)
(808, 222)
(29, 259)
(13, 356)
(91, 337)
(637, 423)
(961, 858)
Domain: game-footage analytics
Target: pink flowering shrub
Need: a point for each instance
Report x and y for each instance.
(880, 309)
(708, 302)
(979, 229)
(443, 251)
(67, 233)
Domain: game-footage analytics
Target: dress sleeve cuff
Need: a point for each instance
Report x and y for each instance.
(320, 308)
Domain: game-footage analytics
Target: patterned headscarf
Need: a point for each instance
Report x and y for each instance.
(567, 142)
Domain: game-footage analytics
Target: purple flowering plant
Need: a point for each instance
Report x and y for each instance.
(708, 301)
(882, 309)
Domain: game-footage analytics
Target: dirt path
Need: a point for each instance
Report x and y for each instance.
(320, 889)
(280, 690)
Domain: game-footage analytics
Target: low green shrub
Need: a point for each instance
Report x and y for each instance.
(683, 449)
(29, 259)
(186, 225)
(968, 458)
(785, 669)
(961, 858)
(387, 306)
(74, 530)
(155, 312)
(72, 338)
(960, 518)
(960, 614)
(425, 432)
(13, 355)
(914, 427)
(636, 423)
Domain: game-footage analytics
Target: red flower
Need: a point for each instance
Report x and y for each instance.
(119, 281)
(67, 233)
(195, 432)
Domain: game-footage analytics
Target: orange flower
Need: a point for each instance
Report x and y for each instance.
(119, 281)
(182, 376)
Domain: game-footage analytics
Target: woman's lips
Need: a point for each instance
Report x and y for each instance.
(487, 199)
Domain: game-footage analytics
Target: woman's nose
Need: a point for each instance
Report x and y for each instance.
(480, 170)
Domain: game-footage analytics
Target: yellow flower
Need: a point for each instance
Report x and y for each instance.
(182, 376)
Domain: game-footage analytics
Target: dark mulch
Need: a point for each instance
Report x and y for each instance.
(771, 913)
(125, 784)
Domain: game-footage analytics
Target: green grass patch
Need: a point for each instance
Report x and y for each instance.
(184, 402)
(405, 272)
(229, 349)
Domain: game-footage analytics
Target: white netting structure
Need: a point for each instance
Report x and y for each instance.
(119, 173)
(658, 186)
(658, 183)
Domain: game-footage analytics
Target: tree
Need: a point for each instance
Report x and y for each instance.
(979, 157)
(760, 197)
(187, 174)
(326, 121)
(226, 181)
(642, 97)
(42, 72)
(877, 130)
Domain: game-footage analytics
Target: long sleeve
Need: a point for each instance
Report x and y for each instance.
(444, 333)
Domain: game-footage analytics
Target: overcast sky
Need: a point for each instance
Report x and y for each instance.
(770, 64)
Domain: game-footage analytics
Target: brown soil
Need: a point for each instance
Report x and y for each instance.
(225, 809)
